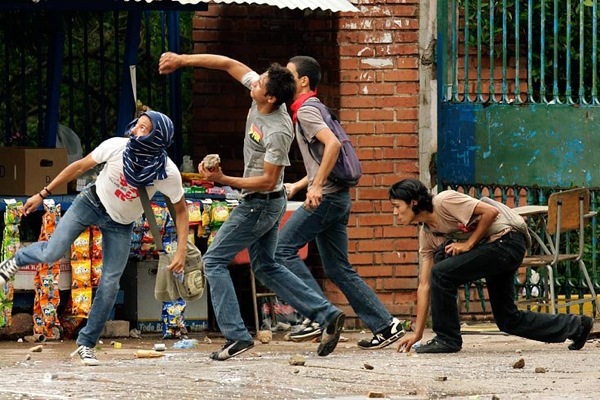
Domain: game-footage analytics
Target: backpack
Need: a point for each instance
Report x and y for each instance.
(347, 169)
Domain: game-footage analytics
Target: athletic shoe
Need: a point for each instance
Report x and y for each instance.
(331, 335)
(308, 330)
(384, 338)
(231, 348)
(586, 327)
(8, 269)
(435, 345)
(86, 355)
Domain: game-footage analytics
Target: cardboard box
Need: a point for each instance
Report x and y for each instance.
(24, 171)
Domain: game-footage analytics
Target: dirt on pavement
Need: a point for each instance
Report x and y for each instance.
(484, 369)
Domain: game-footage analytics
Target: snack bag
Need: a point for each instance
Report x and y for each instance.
(81, 271)
(173, 320)
(194, 212)
(82, 302)
(80, 249)
(96, 271)
(219, 214)
(96, 239)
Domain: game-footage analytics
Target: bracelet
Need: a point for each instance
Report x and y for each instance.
(40, 194)
(47, 191)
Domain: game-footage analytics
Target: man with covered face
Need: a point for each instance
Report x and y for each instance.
(138, 160)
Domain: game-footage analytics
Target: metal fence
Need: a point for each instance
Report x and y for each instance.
(519, 51)
(72, 68)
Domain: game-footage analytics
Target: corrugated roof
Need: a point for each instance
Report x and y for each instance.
(330, 5)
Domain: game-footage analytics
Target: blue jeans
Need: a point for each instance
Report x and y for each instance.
(254, 224)
(497, 262)
(327, 225)
(116, 242)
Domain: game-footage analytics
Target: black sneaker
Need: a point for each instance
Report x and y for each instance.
(331, 335)
(384, 338)
(8, 269)
(86, 355)
(231, 348)
(308, 330)
(586, 327)
(435, 345)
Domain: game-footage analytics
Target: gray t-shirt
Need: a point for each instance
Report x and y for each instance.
(312, 122)
(268, 138)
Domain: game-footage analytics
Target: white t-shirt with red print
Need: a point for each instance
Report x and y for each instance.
(120, 199)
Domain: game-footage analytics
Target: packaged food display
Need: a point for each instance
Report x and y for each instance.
(96, 270)
(10, 244)
(45, 281)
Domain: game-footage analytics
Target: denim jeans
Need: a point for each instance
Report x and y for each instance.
(255, 224)
(497, 262)
(327, 225)
(116, 242)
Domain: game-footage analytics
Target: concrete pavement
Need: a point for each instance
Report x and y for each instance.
(482, 370)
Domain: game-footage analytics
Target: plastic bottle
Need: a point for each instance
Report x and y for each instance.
(185, 344)
(187, 165)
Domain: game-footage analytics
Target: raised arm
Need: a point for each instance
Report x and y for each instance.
(170, 62)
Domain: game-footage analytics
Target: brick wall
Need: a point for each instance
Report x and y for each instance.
(370, 63)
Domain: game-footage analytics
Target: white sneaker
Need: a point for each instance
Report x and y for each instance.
(307, 331)
(384, 338)
(8, 269)
(87, 356)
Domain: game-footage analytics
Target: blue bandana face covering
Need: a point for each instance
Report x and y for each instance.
(145, 157)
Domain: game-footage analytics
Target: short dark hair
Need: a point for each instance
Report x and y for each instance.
(409, 190)
(281, 84)
(309, 67)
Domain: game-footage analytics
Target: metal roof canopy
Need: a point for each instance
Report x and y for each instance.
(326, 5)
(165, 5)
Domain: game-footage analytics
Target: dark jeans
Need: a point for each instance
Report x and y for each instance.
(497, 262)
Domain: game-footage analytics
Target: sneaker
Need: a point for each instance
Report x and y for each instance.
(231, 348)
(8, 269)
(308, 330)
(331, 335)
(586, 327)
(384, 338)
(435, 345)
(87, 356)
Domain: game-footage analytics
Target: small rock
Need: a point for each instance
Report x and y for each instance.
(368, 366)
(519, 364)
(264, 336)
(207, 340)
(494, 397)
(30, 339)
(20, 340)
(297, 359)
(441, 378)
(28, 357)
(296, 371)
(36, 349)
(518, 351)
(540, 370)
(375, 395)
(49, 377)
